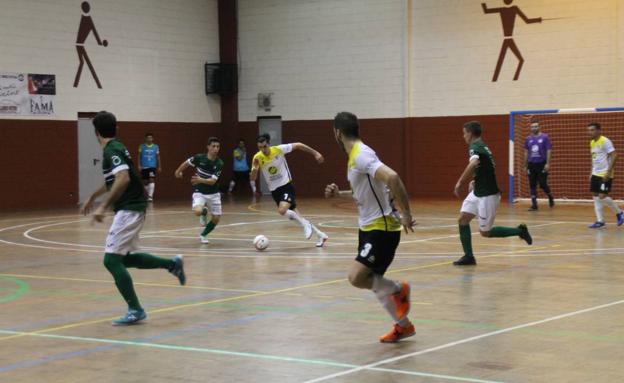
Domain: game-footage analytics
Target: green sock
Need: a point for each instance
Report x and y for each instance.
(114, 264)
(147, 261)
(502, 231)
(204, 211)
(465, 236)
(209, 227)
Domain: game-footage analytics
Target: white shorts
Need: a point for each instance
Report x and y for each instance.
(483, 207)
(123, 235)
(213, 201)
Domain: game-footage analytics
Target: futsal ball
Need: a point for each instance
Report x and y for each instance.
(261, 242)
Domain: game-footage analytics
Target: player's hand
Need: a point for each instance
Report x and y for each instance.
(319, 158)
(526, 170)
(159, 170)
(98, 214)
(546, 168)
(408, 222)
(178, 174)
(331, 191)
(86, 207)
(196, 180)
(471, 186)
(457, 189)
(606, 178)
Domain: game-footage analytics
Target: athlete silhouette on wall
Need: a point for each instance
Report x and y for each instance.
(86, 27)
(508, 17)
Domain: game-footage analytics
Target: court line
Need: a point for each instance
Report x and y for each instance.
(244, 355)
(22, 288)
(463, 341)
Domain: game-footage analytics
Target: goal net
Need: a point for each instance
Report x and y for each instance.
(570, 166)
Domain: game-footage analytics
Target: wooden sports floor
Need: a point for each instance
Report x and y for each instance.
(552, 312)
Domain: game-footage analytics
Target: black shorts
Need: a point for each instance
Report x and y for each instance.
(599, 186)
(148, 173)
(377, 248)
(285, 193)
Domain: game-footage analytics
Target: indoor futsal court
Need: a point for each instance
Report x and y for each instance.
(311, 191)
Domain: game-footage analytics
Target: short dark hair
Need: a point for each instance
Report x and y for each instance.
(473, 127)
(213, 139)
(595, 125)
(241, 139)
(347, 124)
(149, 134)
(105, 124)
(266, 137)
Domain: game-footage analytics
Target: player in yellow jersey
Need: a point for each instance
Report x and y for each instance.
(372, 184)
(603, 165)
(271, 160)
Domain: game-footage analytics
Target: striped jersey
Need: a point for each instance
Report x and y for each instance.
(116, 158)
(206, 168)
(372, 196)
(274, 166)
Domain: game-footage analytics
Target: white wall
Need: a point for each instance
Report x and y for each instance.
(152, 69)
(321, 56)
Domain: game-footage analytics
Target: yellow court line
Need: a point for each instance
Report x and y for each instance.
(230, 299)
(136, 283)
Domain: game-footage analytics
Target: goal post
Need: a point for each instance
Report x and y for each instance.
(571, 159)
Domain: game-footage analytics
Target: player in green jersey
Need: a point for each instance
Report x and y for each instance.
(126, 196)
(483, 198)
(208, 167)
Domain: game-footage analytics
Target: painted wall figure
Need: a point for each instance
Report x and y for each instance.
(508, 18)
(86, 27)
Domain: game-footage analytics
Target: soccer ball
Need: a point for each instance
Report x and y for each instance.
(261, 242)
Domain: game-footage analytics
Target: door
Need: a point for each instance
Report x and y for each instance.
(89, 159)
(272, 126)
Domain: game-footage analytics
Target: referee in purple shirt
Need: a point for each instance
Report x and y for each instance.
(537, 151)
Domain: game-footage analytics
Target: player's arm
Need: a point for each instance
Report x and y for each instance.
(303, 147)
(139, 157)
(88, 204)
(548, 156)
(526, 19)
(214, 178)
(468, 174)
(332, 190)
(526, 160)
(179, 172)
(122, 180)
(158, 163)
(611, 157)
(255, 167)
(397, 188)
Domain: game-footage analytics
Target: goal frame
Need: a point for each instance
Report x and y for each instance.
(512, 128)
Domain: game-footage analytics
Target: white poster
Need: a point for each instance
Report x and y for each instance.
(27, 94)
(14, 97)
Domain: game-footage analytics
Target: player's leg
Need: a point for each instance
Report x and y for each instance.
(533, 178)
(151, 185)
(199, 208)
(543, 183)
(595, 188)
(607, 200)
(252, 184)
(214, 204)
(232, 183)
(488, 206)
(284, 196)
(468, 211)
(118, 244)
(375, 254)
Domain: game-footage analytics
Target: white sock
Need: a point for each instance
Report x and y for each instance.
(253, 186)
(232, 183)
(598, 209)
(383, 289)
(319, 233)
(150, 189)
(609, 201)
(291, 214)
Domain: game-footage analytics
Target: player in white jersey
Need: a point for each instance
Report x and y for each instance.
(372, 185)
(271, 160)
(603, 165)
